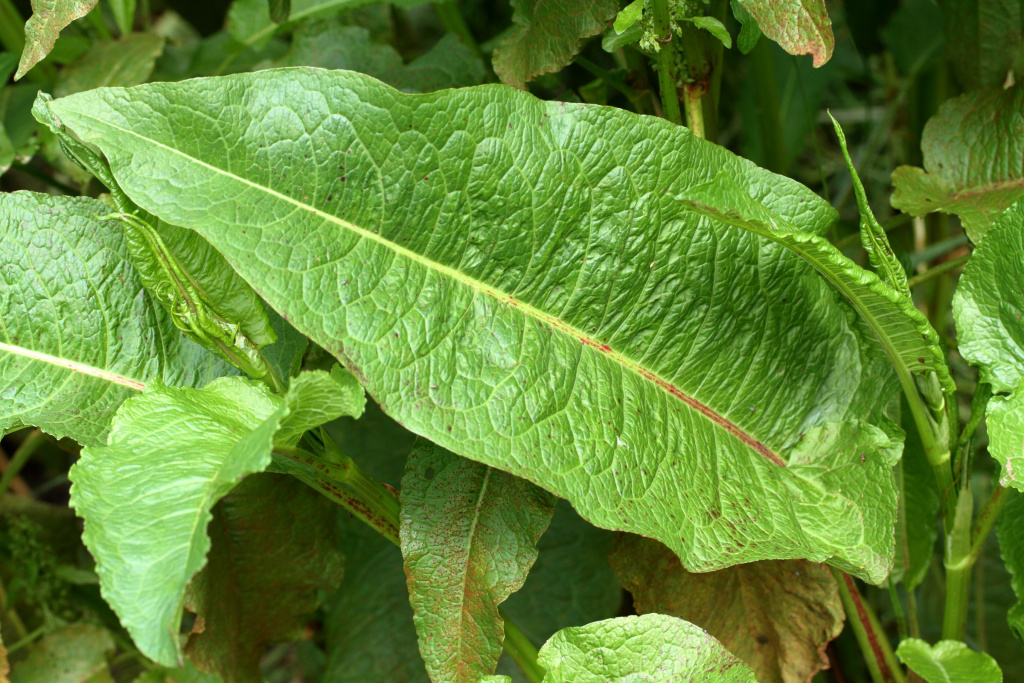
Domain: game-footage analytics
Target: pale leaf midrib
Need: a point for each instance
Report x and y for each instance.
(74, 366)
(716, 418)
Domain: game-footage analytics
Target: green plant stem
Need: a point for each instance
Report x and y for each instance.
(912, 620)
(987, 519)
(10, 612)
(872, 640)
(377, 507)
(939, 270)
(965, 444)
(693, 95)
(897, 609)
(453, 22)
(958, 569)
(666, 63)
(26, 640)
(21, 456)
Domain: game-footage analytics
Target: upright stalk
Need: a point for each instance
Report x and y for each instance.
(872, 639)
(21, 456)
(666, 62)
(958, 569)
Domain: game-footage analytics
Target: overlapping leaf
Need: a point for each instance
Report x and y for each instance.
(274, 548)
(948, 661)
(973, 161)
(801, 27)
(1011, 547)
(520, 282)
(991, 334)
(653, 648)
(776, 616)
(48, 18)
(78, 335)
(547, 35)
(469, 534)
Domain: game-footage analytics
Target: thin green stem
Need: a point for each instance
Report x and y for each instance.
(32, 444)
(521, 650)
(666, 63)
(958, 569)
(693, 96)
(872, 640)
(453, 22)
(965, 444)
(26, 640)
(10, 612)
(987, 519)
(897, 609)
(939, 270)
(914, 623)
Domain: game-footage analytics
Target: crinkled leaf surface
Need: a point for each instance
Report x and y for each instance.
(801, 27)
(48, 18)
(987, 309)
(370, 636)
(126, 61)
(318, 397)
(469, 534)
(1011, 546)
(330, 44)
(654, 648)
(76, 653)
(519, 282)
(948, 661)
(78, 334)
(776, 616)
(973, 161)
(983, 38)
(274, 547)
(547, 35)
(251, 25)
(146, 497)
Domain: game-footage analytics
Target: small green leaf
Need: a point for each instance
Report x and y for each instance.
(800, 26)
(280, 10)
(972, 149)
(872, 234)
(146, 497)
(612, 41)
(1011, 545)
(630, 14)
(123, 62)
(469, 536)
(547, 35)
(48, 18)
(714, 26)
(76, 653)
(653, 648)
(949, 661)
(317, 397)
(776, 616)
(81, 335)
(750, 32)
(274, 548)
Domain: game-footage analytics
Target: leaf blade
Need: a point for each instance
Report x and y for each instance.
(48, 18)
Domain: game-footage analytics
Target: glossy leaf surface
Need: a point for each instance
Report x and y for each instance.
(653, 648)
(973, 161)
(547, 35)
(469, 534)
(79, 334)
(776, 616)
(579, 359)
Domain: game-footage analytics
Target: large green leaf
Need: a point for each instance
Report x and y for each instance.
(251, 25)
(331, 44)
(983, 38)
(547, 35)
(653, 648)
(469, 535)
(45, 24)
(801, 27)
(973, 161)
(78, 334)
(987, 309)
(776, 616)
(519, 282)
(1011, 547)
(274, 548)
(948, 661)
(76, 653)
(146, 497)
(126, 61)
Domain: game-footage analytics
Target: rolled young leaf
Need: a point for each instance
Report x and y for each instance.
(654, 648)
(469, 536)
(79, 334)
(666, 373)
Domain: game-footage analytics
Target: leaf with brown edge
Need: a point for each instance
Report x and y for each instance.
(469, 537)
(777, 616)
(273, 549)
(49, 17)
(801, 27)
(547, 35)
